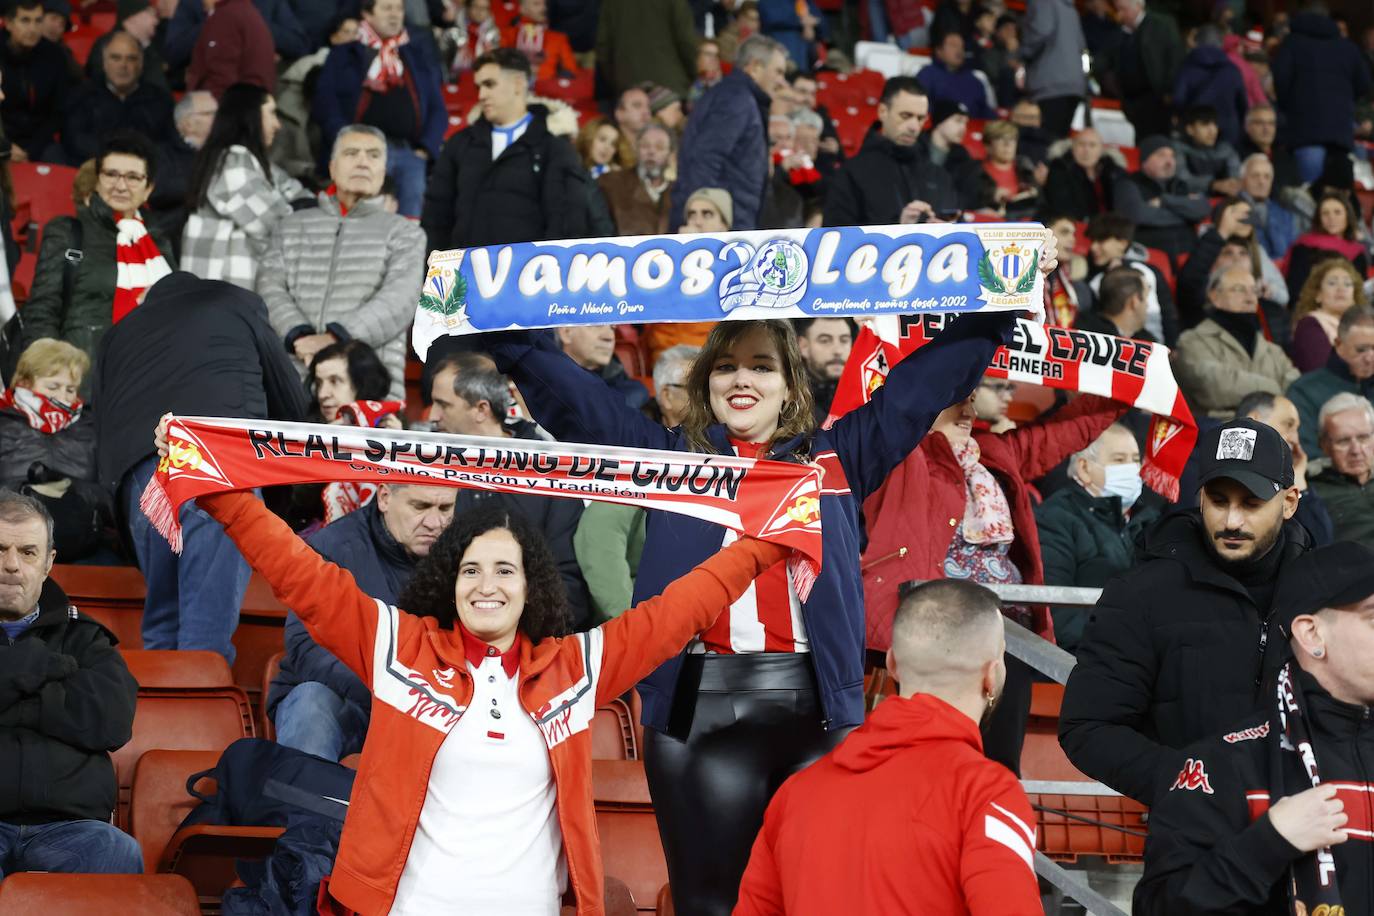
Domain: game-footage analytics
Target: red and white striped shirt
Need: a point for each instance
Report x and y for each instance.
(767, 617)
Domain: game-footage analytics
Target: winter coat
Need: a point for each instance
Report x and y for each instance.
(906, 801)
(340, 98)
(646, 41)
(1318, 75)
(361, 544)
(1192, 280)
(1315, 246)
(36, 85)
(872, 188)
(70, 453)
(961, 86)
(421, 687)
(227, 237)
(1350, 504)
(1211, 847)
(1070, 191)
(1215, 372)
(1168, 226)
(1052, 48)
(610, 543)
(632, 209)
(1175, 651)
(725, 146)
(535, 190)
(1199, 166)
(237, 367)
(856, 455)
(1150, 57)
(66, 701)
(913, 517)
(1208, 77)
(94, 112)
(1313, 389)
(233, 46)
(1086, 540)
(88, 316)
(289, 38)
(1276, 226)
(356, 276)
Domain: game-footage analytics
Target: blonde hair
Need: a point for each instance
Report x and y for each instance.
(1307, 299)
(83, 185)
(1000, 130)
(46, 356)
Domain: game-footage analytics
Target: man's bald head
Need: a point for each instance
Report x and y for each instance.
(948, 640)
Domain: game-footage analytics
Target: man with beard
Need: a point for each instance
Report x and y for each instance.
(824, 344)
(1183, 645)
(638, 197)
(908, 799)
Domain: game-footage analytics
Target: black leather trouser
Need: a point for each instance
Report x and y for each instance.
(750, 721)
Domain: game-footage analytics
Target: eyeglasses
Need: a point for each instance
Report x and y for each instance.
(132, 179)
(1346, 442)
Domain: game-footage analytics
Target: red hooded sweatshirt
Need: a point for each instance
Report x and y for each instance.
(905, 816)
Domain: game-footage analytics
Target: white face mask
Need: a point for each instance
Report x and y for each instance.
(1123, 480)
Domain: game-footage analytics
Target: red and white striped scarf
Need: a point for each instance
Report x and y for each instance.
(386, 71)
(343, 497)
(138, 263)
(42, 413)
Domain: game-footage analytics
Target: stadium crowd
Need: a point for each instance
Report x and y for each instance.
(237, 201)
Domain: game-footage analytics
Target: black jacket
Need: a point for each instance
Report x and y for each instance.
(66, 700)
(1215, 850)
(36, 86)
(1070, 192)
(360, 543)
(1175, 650)
(194, 347)
(536, 189)
(94, 112)
(1318, 75)
(873, 187)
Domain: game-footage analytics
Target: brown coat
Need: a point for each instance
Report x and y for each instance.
(632, 209)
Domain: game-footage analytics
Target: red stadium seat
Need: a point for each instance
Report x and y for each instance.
(578, 87)
(613, 732)
(111, 594)
(51, 894)
(80, 40)
(630, 847)
(203, 854)
(269, 674)
(1161, 262)
(42, 190)
(178, 669)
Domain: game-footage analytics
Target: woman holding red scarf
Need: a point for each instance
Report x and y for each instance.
(47, 445)
(776, 682)
(474, 791)
(94, 268)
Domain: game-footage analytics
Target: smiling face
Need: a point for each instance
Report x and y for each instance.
(333, 387)
(490, 589)
(122, 182)
(955, 422)
(746, 387)
(1333, 217)
(604, 143)
(25, 561)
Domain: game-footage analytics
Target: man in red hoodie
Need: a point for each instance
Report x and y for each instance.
(907, 815)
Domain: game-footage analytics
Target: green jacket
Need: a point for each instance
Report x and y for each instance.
(1314, 389)
(1350, 504)
(84, 320)
(1084, 541)
(608, 543)
(647, 40)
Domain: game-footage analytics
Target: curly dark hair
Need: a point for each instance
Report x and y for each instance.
(430, 592)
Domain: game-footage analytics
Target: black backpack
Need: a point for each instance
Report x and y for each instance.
(265, 784)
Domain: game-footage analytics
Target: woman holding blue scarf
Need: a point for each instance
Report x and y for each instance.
(776, 682)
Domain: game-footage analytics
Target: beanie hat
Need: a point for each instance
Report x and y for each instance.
(660, 97)
(1153, 144)
(942, 110)
(718, 198)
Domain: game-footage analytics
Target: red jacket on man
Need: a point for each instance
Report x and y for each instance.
(235, 46)
(922, 503)
(421, 686)
(905, 816)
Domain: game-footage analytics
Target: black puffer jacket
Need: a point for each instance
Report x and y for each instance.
(536, 189)
(1175, 650)
(873, 187)
(66, 700)
(1213, 849)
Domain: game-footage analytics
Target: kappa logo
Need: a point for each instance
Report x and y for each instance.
(1193, 776)
(1247, 734)
(1236, 444)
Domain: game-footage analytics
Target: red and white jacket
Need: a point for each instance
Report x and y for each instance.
(421, 687)
(905, 816)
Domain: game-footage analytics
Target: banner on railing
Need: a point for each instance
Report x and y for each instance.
(795, 273)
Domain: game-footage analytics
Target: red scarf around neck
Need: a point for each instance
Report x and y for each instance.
(386, 71)
(42, 413)
(342, 497)
(138, 265)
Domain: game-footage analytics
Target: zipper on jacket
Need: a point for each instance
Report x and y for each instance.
(899, 552)
(329, 284)
(1263, 643)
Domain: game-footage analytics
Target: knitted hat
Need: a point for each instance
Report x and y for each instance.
(1153, 144)
(718, 198)
(660, 97)
(942, 110)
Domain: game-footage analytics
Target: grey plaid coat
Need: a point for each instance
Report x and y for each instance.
(227, 236)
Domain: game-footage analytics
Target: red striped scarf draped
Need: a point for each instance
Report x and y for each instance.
(386, 71)
(138, 265)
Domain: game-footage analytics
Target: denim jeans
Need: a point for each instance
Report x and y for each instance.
(315, 719)
(407, 171)
(71, 847)
(1311, 160)
(192, 599)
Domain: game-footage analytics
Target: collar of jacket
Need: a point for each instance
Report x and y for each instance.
(388, 548)
(787, 450)
(367, 206)
(1105, 508)
(1332, 717)
(1179, 536)
(56, 609)
(761, 98)
(99, 211)
(875, 142)
(538, 126)
(1341, 370)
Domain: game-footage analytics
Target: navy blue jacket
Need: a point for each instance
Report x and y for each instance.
(857, 454)
(360, 543)
(340, 87)
(1318, 75)
(726, 146)
(1208, 77)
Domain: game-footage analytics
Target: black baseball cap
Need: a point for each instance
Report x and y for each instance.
(1251, 453)
(1332, 576)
